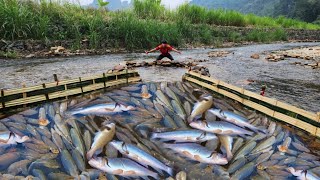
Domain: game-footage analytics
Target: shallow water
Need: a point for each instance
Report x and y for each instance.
(134, 127)
(295, 85)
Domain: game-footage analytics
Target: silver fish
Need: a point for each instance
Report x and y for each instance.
(184, 136)
(237, 144)
(303, 175)
(219, 127)
(164, 99)
(122, 167)
(236, 165)
(103, 109)
(77, 141)
(178, 109)
(198, 153)
(140, 156)
(246, 149)
(233, 118)
(300, 147)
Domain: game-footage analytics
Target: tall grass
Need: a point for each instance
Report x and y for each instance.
(141, 27)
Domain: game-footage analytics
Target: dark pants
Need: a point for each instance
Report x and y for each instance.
(161, 56)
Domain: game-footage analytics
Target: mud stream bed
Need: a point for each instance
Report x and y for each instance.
(295, 85)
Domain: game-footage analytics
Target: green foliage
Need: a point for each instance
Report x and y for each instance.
(102, 3)
(141, 27)
(10, 54)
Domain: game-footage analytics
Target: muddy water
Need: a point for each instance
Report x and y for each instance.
(296, 85)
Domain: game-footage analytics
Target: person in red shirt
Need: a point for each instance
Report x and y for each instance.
(164, 48)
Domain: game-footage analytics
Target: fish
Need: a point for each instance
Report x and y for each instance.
(300, 147)
(130, 88)
(233, 118)
(172, 95)
(219, 127)
(19, 166)
(169, 122)
(237, 144)
(145, 93)
(59, 176)
(236, 165)
(178, 109)
(102, 109)
(303, 175)
(226, 142)
(122, 167)
(187, 107)
(243, 172)
(284, 146)
(68, 163)
(140, 156)
(164, 99)
(8, 158)
(264, 157)
(287, 160)
(201, 107)
(264, 144)
(87, 139)
(53, 147)
(39, 174)
(77, 141)
(191, 135)
(8, 138)
(197, 152)
(272, 128)
(244, 150)
(43, 120)
(57, 139)
(101, 138)
(78, 159)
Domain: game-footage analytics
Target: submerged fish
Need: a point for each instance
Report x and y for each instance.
(201, 107)
(103, 109)
(184, 136)
(122, 167)
(140, 156)
(198, 153)
(101, 138)
(303, 175)
(219, 127)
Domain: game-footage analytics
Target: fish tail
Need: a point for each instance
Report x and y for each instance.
(169, 170)
(153, 135)
(90, 154)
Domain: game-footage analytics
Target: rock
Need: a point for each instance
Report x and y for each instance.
(30, 56)
(255, 56)
(181, 176)
(108, 51)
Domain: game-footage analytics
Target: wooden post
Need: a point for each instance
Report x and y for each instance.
(46, 94)
(127, 76)
(104, 80)
(55, 77)
(81, 85)
(65, 89)
(24, 95)
(94, 82)
(318, 118)
(2, 95)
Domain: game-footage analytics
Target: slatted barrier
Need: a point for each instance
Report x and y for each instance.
(297, 117)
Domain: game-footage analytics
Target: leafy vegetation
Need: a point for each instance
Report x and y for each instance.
(142, 27)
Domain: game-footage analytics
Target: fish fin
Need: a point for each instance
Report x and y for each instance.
(117, 172)
(228, 132)
(218, 131)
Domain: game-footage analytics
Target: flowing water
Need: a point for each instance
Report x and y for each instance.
(295, 85)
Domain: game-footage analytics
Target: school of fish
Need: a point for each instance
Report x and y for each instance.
(151, 131)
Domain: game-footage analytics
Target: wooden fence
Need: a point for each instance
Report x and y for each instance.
(13, 98)
(297, 117)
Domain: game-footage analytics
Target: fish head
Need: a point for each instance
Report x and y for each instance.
(117, 144)
(298, 173)
(206, 97)
(97, 162)
(144, 89)
(219, 159)
(198, 124)
(110, 127)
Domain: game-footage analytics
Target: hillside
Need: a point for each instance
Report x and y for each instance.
(308, 11)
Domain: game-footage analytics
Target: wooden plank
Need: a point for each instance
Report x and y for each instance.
(64, 93)
(53, 84)
(286, 118)
(306, 126)
(22, 90)
(259, 107)
(302, 112)
(214, 88)
(27, 100)
(232, 87)
(318, 132)
(215, 81)
(230, 95)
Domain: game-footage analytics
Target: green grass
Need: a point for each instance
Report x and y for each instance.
(9, 54)
(139, 28)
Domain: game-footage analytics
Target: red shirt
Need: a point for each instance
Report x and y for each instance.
(164, 49)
